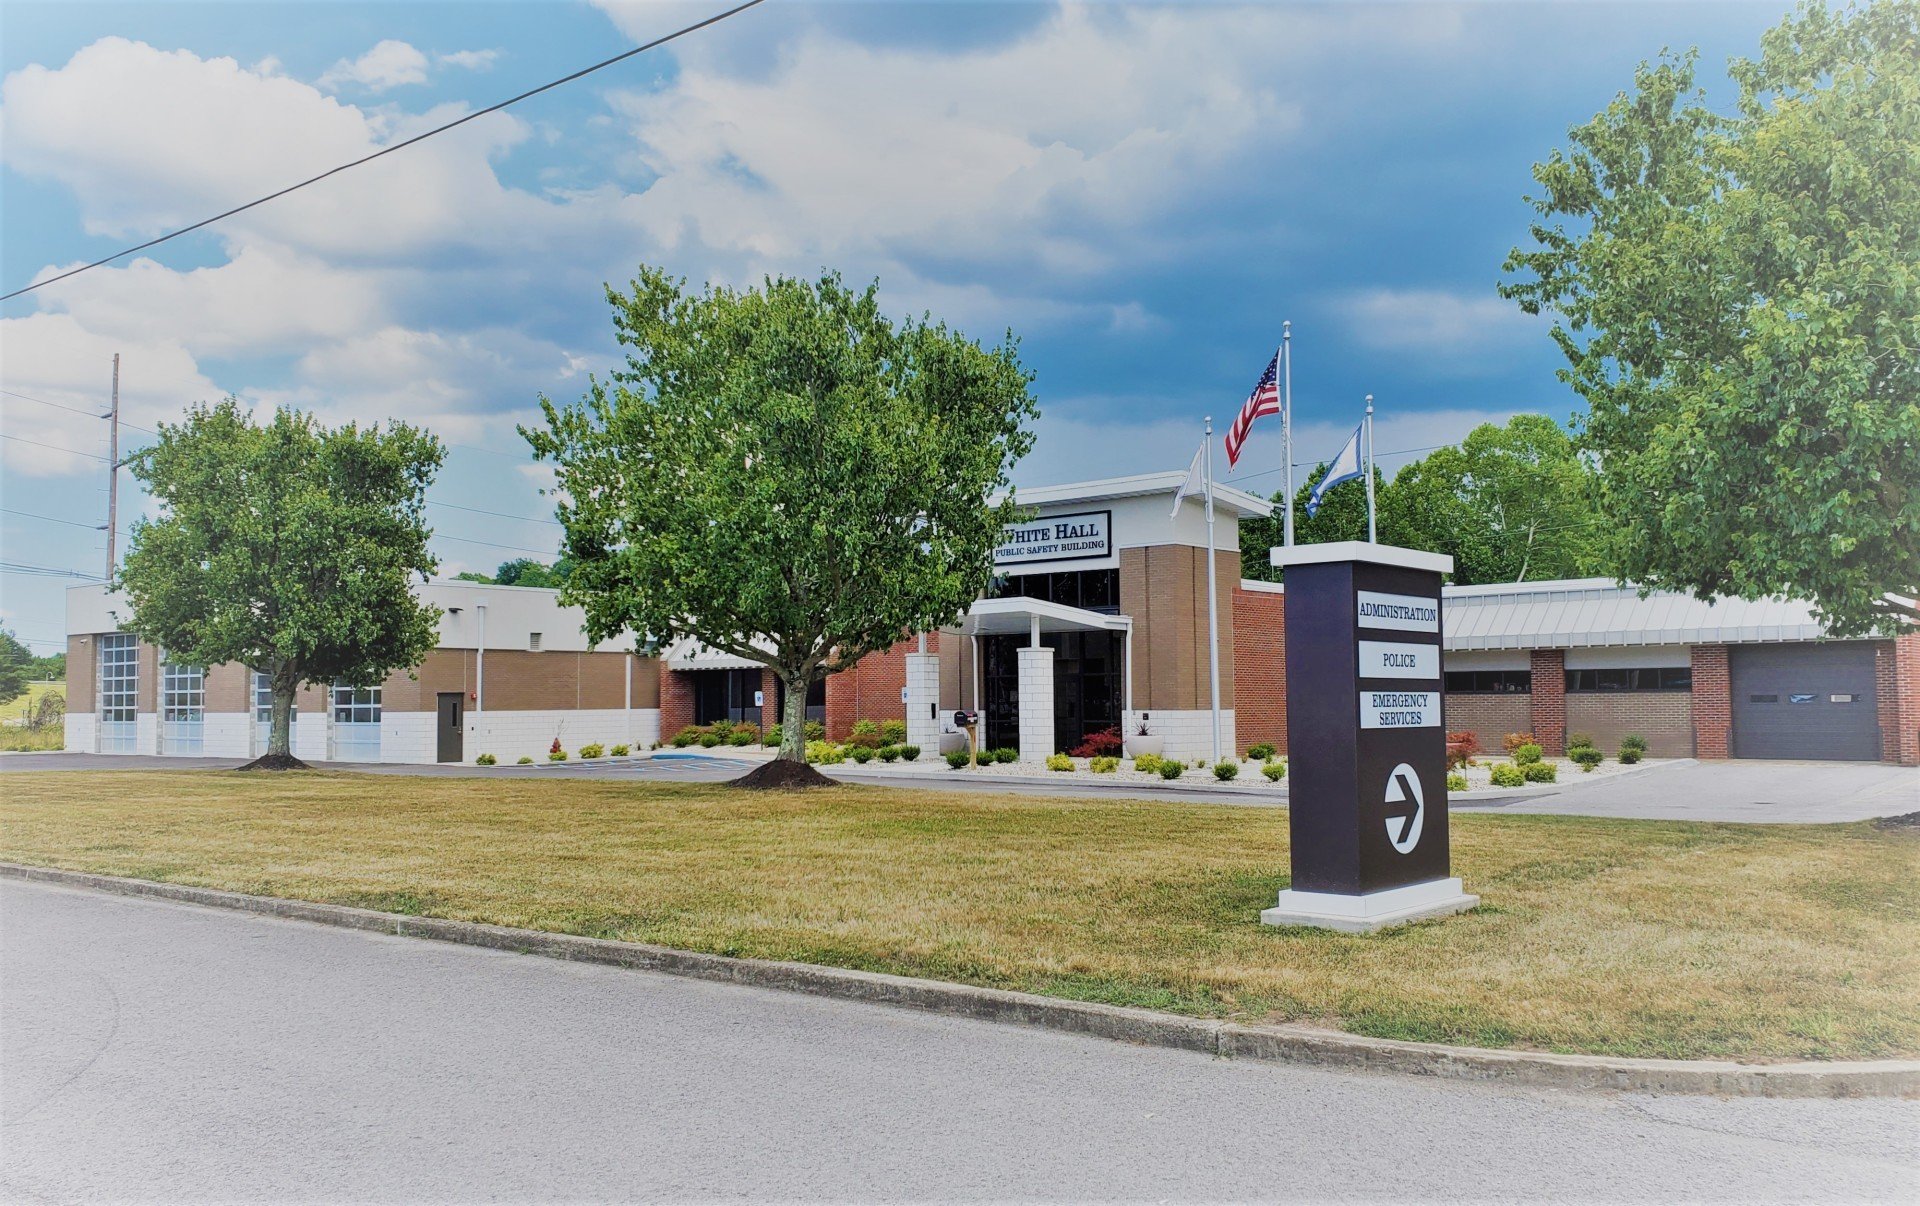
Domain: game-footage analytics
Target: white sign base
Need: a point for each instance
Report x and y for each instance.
(1373, 911)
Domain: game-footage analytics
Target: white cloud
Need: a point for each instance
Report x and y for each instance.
(470, 60)
(389, 64)
(1437, 321)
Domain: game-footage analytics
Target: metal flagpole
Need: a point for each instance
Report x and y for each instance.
(1213, 607)
(1286, 423)
(1372, 535)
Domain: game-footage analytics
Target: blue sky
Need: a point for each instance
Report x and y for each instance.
(1141, 193)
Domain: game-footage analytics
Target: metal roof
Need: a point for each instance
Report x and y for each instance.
(1229, 498)
(1583, 612)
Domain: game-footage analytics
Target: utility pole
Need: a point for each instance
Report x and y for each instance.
(113, 467)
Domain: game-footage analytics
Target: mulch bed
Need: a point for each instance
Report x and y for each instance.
(782, 774)
(275, 762)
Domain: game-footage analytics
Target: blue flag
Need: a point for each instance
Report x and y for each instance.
(1344, 468)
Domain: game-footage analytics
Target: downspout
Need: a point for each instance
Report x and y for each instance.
(480, 661)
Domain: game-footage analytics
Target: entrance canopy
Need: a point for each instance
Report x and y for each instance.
(1017, 616)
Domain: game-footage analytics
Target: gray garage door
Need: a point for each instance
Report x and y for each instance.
(1804, 701)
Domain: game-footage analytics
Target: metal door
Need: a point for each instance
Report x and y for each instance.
(451, 740)
(1804, 701)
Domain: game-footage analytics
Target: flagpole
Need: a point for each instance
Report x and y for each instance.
(1373, 536)
(1286, 423)
(1213, 607)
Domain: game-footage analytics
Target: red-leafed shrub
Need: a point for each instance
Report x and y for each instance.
(1461, 748)
(1514, 741)
(1104, 744)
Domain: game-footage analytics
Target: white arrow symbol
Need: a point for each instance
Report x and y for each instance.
(1403, 788)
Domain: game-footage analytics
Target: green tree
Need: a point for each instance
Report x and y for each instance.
(785, 475)
(1342, 515)
(51, 668)
(1509, 503)
(289, 548)
(1738, 300)
(16, 666)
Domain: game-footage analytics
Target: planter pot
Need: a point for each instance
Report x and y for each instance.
(1151, 743)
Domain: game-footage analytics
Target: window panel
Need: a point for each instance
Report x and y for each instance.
(183, 692)
(119, 676)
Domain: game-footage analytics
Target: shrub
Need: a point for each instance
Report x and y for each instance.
(685, 737)
(1514, 741)
(825, 753)
(1508, 774)
(1629, 756)
(723, 727)
(1171, 769)
(1461, 747)
(1226, 769)
(747, 735)
(1147, 764)
(1456, 782)
(526, 760)
(1541, 772)
(619, 751)
(1580, 741)
(1105, 743)
(1059, 762)
(1261, 752)
(1587, 757)
(1004, 754)
(865, 733)
(889, 753)
(909, 753)
(592, 749)
(1274, 771)
(893, 732)
(1634, 741)
(1527, 755)
(708, 740)
(773, 735)
(862, 754)
(556, 755)
(957, 759)
(815, 730)
(1103, 766)
(485, 760)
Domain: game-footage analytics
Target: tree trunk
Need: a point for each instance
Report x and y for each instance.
(280, 727)
(793, 719)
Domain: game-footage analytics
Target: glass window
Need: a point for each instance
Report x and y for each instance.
(1648, 678)
(183, 692)
(1489, 682)
(263, 700)
(119, 676)
(355, 705)
(1090, 590)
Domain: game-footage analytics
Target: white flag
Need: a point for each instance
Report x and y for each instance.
(1345, 468)
(1194, 484)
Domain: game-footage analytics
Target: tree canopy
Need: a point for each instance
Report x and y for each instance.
(784, 474)
(289, 548)
(523, 571)
(16, 667)
(1737, 295)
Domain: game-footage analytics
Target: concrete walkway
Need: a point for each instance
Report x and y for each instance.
(159, 1051)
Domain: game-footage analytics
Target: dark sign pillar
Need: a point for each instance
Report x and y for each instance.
(1365, 738)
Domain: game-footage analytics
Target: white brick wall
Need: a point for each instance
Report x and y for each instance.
(227, 735)
(923, 697)
(406, 736)
(146, 728)
(1188, 735)
(310, 737)
(82, 733)
(1036, 704)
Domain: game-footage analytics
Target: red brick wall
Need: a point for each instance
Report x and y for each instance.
(871, 690)
(1897, 683)
(1490, 717)
(1550, 700)
(676, 702)
(1712, 703)
(1664, 718)
(1259, 667)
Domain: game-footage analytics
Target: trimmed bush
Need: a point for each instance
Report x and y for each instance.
(485, 760)
(556, 755)
(1004, 754)
(592, 750)
(1274, 771)
(709, 740)
(1103, 766)
(1587, 757)
(686, 737)
(1527, 755)
(525, 760)
(773, 736)
(1634, 741)
(1629, 756)
(1509, 774)
(1147, 764)
(957, 759)
(889, 753)
(865, 733)
(825, 753)
(1261, 752)
(1103, 744)
(893, 732)
(746, 736)
(815, 730)
(1226, 770)
(1456, 782)
(1541, 772)
(909, 753)
(1170, 769)
(1580, 741)
(1514, 741)
(862, 754)
(619, 751)
(1059, 762)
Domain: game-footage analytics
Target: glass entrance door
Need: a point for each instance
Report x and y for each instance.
(1086, 686)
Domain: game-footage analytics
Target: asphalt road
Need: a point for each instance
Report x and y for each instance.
(165, 1052)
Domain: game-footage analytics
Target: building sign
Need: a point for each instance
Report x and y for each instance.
(1078, 537)
(1399, 709)
(1394, 659)
(1407, 613)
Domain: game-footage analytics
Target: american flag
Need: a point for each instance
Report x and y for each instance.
(1264, 400)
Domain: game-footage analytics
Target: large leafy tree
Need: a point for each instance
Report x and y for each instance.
(288, 547)
(1342, 515)
(1738, 298)
(16, 667)
(784, 474)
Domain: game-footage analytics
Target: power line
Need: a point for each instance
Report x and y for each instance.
(434, 502)
(72, 523)
(44, 571)
(459, 121)
(56, 405)
(94, 456)
(511, 548)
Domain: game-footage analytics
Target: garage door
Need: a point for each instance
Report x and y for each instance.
(1804, 701)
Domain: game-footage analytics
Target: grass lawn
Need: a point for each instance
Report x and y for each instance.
(1624, 937)
(16, 707)
(18, 737)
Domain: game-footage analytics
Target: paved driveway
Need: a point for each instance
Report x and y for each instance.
(162, 1052)
(1758, 791)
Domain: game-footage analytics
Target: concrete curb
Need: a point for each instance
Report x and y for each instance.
(1280, 1044)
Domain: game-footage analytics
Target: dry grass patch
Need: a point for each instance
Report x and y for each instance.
(1623, 937)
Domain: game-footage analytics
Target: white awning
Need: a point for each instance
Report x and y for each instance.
(1014, 616)
(692, 655)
